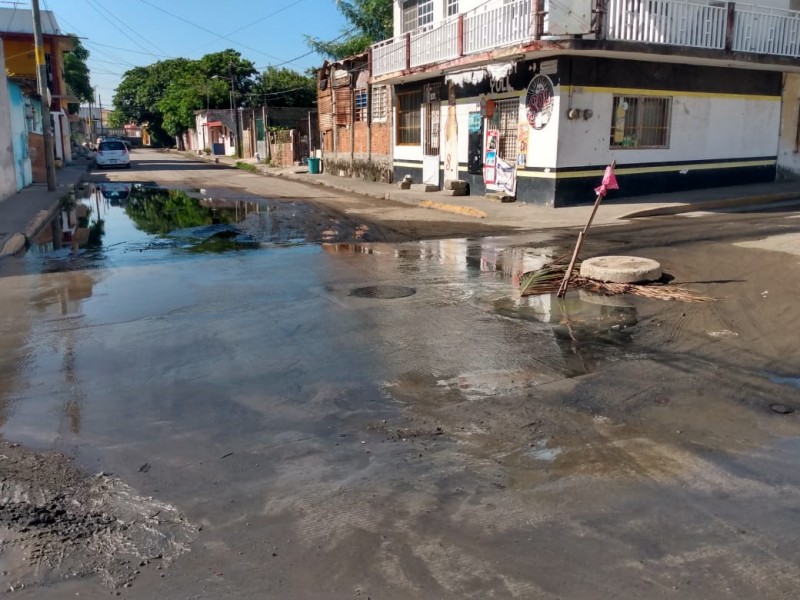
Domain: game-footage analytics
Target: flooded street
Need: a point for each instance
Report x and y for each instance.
(268, 399)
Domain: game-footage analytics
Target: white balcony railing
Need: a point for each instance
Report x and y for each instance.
(767, 31)
(687, 23)
(435, 44)
(389, 56)
(495, 27)
(698, 24)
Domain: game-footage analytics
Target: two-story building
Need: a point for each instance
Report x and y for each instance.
(533, 98)
(16, 30)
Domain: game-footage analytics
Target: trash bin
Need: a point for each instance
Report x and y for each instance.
(313, 166)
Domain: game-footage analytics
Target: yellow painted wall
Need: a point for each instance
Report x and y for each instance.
(20, 60)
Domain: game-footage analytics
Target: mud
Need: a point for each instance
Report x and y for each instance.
(57, 523)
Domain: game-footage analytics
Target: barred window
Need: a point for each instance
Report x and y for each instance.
(417, 13)
(452, 8)
(361, 103)
(409, 109)
(508, 121)
(641, 122)
(379, 104)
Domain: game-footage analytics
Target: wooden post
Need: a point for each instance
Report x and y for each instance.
(562, 290)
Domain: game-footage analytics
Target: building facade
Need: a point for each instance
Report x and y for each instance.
(16, 27)
(533, 98)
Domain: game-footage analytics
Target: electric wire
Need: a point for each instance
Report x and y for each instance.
(97, 8)
(201, 28)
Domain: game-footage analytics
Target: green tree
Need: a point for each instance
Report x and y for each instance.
(370, 20)
(163, 96)
(76, 74)
(284, 87)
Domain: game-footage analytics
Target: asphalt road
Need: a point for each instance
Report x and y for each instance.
(354, 413)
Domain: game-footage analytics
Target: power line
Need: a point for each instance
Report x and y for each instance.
(201, 28)
(264, 18)
(97, 7)
(286, 62)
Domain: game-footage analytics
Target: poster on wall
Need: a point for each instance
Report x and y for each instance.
(475, 144)
(505, 177)
(490, 160)
(523, 134)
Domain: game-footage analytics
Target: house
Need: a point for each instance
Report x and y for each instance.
(354, 120)
(533, 98)
(16, 29)
(214, 130)
(8, 178)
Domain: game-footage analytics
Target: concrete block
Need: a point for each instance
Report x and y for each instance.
(424, 187)
(621, 269)
(13, 245)
(500, 197)
(451, 192)
(404, 185)
(455, 184)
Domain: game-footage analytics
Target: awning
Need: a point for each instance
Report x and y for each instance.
(214, 124)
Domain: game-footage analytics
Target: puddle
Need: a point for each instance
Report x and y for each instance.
(782, 380)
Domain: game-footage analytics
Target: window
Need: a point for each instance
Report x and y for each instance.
(451, 8)
(507, 122)
(408, 117)
(379, 105)
(640, 122)
(417, 13)
(361, 106)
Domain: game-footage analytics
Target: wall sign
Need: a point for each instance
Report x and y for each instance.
(539, 101)
(490, 160)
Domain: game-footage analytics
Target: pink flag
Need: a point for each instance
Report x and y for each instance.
(609, 182)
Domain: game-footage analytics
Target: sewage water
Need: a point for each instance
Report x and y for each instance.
(178, 300)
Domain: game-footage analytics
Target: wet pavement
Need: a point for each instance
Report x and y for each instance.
(325, 415)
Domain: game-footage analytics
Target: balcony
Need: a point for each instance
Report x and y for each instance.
(703, 24)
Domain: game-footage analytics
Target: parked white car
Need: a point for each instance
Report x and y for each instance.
(112, 153)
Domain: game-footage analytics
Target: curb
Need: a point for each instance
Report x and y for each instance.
(453, 208)
(713, 205)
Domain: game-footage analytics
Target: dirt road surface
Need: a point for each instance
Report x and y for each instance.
(355, 403)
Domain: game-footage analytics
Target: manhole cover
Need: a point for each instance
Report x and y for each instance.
(383, 292)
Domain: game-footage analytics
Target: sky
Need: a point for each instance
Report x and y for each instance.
(122, 34)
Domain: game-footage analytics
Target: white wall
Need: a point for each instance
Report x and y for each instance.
(439, 8)
(8, 181)
(788, 156)
(703, 127)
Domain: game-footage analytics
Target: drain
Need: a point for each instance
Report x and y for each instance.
(383, 292)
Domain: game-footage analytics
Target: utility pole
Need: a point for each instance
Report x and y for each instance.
(41, 79)
(235, 115)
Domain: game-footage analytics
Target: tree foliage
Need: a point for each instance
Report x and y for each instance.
(163, 96)
(284, 87)
(76, 74)
(370, 20)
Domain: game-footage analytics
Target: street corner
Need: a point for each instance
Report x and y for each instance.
(457, 209)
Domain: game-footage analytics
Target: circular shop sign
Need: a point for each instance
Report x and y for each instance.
(539, 101)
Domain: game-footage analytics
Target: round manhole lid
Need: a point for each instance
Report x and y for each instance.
(383, 292)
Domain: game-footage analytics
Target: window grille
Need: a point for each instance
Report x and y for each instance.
(379, 104)
(409, 105)
(451, 8)
(361, 104)
(641, 122)
(507, 123)
(433, 116)
(416, 14)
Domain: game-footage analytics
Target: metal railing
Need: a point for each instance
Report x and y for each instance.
(697, 24)
(495, 27)
(435, 44)
(389, 56)
(767, 31)
(688, 23)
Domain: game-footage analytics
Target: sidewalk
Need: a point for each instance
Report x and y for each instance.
(523, 215)
(23, 214)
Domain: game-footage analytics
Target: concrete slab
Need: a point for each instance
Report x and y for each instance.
(424, 187)
(621, 269)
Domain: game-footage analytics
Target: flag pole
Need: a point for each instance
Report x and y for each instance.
(601, 192)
